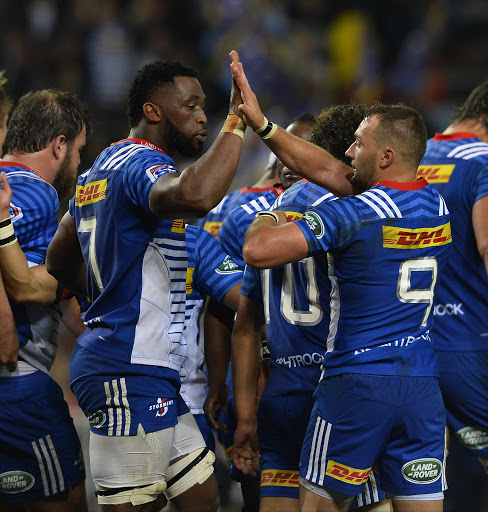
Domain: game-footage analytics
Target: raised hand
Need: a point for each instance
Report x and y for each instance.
(5, 197)
(249, 109)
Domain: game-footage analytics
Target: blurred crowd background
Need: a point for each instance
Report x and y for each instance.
(299, 55)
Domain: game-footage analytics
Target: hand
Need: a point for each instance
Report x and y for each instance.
(9, 350)
(249, 109)
(5, 197)
(214, 402)
(235, 93)
(245, 452)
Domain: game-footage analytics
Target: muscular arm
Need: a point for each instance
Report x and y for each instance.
(480, 226)
(246, 343)
(303, 157)
(267, 245)
(64, 259)
(202, 185)
(22, 284)
(9, 341)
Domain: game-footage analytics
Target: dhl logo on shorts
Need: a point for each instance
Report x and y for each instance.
(401, 238)
(90, 193)
(212, 227)
(279, 477)
(347, 474)
(292, 216)
(435, 173)
(178, 226)
(189, 280)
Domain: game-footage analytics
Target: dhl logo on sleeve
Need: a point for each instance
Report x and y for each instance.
(212, 227)
(90, 193)
(279, 477)
(401, 238)
(346, 474)
(178, 226)
(189, 280)
(292, 216)
(435, 173)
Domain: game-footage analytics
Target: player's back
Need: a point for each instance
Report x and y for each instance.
(34, 208)
(457, 166)
(296, 301)
(388, 247)
(136, 262)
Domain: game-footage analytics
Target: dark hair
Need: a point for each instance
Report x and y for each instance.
(153, 76)
(305, 117)
(402, 127)
(5, 101)
(335, 127)
(475, 107)
(40, 117)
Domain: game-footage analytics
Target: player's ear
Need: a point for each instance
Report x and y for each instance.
(59, 147)
(152, 112)
(387, 156)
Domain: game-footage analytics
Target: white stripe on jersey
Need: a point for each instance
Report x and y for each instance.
(247, 209)
(120, 154)
(379, 201)
(465, 149)
(277, 203)
(263, 201)
(388, 199)
(442, 207)
(478, 153)
(156, 340)
(375, 208)
(335, 309)
(24, 174)
(325, 197)
(115, 387)
(42, 468)
(126, 157)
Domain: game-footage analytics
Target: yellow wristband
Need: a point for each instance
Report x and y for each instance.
(234, 124)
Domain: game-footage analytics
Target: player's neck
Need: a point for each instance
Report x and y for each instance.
(141, 132)
(468, 126)
(39, 162)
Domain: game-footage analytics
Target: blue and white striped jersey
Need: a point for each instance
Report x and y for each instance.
(231, 233)
(136, 262)
(214, 218)
(388, 246)
(296, 301)
(210, 272)
(457, 166)
(34, 213)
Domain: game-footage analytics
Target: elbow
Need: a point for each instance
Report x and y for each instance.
(255, 256)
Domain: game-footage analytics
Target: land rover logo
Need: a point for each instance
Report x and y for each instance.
(228, 266)
(13, 482)
(315, 223)
(474, 438)
(422, 471)
(96, 418)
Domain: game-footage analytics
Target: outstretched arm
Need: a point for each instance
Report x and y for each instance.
(9, 341)
(246, 344)
(202, 185)
(303, 157)
(22, 284)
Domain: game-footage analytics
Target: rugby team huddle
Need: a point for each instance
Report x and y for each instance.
(346, 289)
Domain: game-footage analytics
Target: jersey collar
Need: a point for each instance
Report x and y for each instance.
(404, 185)
(16, 164)
(454, 136)
(140, 141)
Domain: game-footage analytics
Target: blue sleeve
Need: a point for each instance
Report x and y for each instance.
(34, 209)
(330, 225)
(229, 240)
(481, 184)
(251, 286)
(143, 172)
(215, 272)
